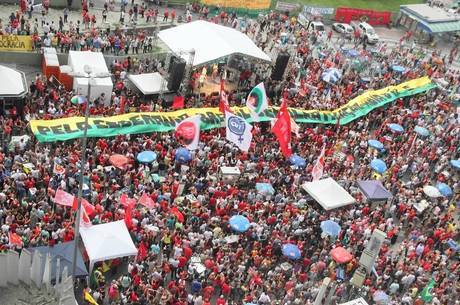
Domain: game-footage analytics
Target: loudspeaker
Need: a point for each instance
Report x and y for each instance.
(280, 65)
(176, 74)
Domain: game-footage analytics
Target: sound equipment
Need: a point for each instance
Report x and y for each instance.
(280, 65)
(176, 74)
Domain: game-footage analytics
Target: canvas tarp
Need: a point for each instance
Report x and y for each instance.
(13, 83)
(374, 190)
(64, 251)
(148, 83)
(107, 241)
(328, 193)
(210, 42)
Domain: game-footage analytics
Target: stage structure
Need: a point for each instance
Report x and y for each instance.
(203, 46)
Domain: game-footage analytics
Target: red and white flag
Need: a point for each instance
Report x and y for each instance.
(146, 201)
(318, 168)
(188, 132)
(64, 198)
(282, 129)
(223, 103)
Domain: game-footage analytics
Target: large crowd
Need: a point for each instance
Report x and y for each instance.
(250, 267)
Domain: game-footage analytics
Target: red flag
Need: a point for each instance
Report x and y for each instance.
(141, 252)
(178, 102)
(84, 219)
(318, 168)
(223, 103)
(64, 198)
(128, 218)
(282, 129)
(15, 239)
(127, 202)
(122, 104)
(146, 201)
(88, 207)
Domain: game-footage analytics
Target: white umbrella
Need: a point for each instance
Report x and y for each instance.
(431, 191)
(331, 75)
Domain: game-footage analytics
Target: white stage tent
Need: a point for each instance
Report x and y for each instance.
(107, 241)
(210, 42)
(328, 193)
(13, 83)
(148, 83)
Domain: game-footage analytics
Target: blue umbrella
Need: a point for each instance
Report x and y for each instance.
(399, 69)
(239, 223)
(453, 245)
(298, 161)
(444, 189)
(375, 144)
(330, 227)
(291, 251)
(331, 75)
(353, 53)
(183, 155)
(379, 166)
(422, 131)
(396, 127)
(455, 163)
(265, 188)
(147, 156)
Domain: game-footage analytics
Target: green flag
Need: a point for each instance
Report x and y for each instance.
(426, 292)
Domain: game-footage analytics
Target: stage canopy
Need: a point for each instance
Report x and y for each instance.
(64, 251)
(328, 193)
(107, 241)
(210, 41)
(374, 190)
(13, 83)
(148, 83)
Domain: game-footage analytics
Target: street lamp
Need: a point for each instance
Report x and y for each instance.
(88, 73)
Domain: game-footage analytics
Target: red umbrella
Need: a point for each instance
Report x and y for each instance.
(119, 161)
(340, 255)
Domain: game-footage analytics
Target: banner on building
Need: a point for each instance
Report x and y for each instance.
(245, 4)
(15, 43)
(143, 122)
(311, 10)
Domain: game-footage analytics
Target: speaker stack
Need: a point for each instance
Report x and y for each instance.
(176, 73)
(280, 65)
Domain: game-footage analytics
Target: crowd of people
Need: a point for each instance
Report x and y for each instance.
(250, 267)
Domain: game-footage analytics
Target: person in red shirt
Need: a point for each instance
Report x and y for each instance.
(165, 15)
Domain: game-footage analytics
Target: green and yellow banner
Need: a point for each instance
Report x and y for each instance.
(144, 122)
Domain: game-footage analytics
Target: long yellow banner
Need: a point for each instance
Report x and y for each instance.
(143, 122)
(246, 4)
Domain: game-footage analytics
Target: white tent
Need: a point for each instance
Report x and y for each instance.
(148, 83)
(210, 42)
(79, 59)
(328, 193)
(13, 83)
(98, 86)
(358, 301)
(107, 241)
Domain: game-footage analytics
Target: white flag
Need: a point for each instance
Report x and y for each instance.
(188, 132)
(318, 168)
(257, 101)
(238, 131)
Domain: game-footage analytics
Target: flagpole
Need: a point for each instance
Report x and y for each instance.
(80, 186)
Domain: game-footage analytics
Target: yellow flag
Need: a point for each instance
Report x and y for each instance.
(90, 299)
(105, 267)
